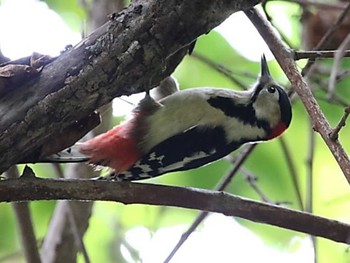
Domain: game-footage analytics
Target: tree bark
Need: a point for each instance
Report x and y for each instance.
(70, 220)
(25, 189)
(133, 51)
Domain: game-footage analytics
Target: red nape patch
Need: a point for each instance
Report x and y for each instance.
(277, 131)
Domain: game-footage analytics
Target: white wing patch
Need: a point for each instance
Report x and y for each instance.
(185, 161)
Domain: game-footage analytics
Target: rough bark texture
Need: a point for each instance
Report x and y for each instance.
(70, 220)
(134, 50)
(25, 189)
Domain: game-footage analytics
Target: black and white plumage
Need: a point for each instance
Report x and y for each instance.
(192, 128)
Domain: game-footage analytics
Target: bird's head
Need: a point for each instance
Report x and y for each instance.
(271, 103)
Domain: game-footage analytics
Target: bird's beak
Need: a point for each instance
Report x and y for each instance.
(264, 78)
(265, 72)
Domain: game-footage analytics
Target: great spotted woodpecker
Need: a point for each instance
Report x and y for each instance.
(191, 128)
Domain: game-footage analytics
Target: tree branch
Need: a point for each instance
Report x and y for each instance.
(25, 225)
(70, 220)
(318, 54)
(221, 186)
(285, 59)
(136, 49)
(26, 189)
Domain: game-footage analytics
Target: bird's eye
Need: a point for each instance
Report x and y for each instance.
(271, 89)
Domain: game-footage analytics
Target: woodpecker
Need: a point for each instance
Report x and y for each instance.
(191, 128)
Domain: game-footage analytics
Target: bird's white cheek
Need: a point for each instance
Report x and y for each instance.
(268, 111)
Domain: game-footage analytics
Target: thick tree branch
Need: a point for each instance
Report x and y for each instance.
(134, 50)
(26, 189)
(70, 220)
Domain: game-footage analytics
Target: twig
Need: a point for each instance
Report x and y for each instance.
(326, 38)
(337, 100)
(67, 208)
(285, 60)
(26, 189)
(25, 225)
(335, 68)
(220, 68)
(68, 223)
(270, 19)
(77, 235)
(199, 219)
(318, 54)
(251, 179)
(343, 75)
(310, 185)
(292, 170)
(220, 186)
(309, 166)
(334, 134)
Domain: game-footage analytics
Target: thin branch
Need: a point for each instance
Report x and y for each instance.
(75, 231)
(270, 19)
(318, 54)
(334, 134)
(336, 64)
(336, 100)
(221, 69)
(220, 187)
(310, 183)
(26, 189)
(285, 60)
(68, 225)
(65, 208)
(309, 176)
(199, 219)
(343, 75)
(25, 225)
(326, 38)
(292, 169)
(251, 179)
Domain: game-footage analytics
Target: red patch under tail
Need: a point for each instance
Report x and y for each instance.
(116, 148)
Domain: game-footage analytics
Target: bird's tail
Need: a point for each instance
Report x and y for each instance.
(69, 155)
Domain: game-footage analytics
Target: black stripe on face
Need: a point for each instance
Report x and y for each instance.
(244, 113)
(256, 92)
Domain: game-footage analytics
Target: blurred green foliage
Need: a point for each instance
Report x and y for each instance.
(71, 11)
(111, 221)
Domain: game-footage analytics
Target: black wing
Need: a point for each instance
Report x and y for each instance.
(193, 148)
